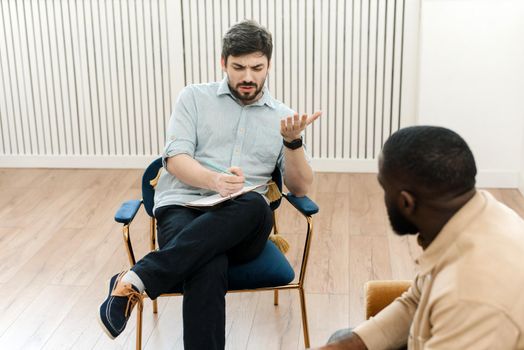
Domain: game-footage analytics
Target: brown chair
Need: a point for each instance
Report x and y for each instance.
(380, 294)
(271, 269)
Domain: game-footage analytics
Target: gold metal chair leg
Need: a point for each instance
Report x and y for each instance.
(275, 224)
(129, 246)
(155, 306)
(139, 310)
(275, 297)
(304, 316)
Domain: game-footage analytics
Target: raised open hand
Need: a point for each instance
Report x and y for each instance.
(292, 127)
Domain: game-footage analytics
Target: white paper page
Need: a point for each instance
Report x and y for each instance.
(217, 198)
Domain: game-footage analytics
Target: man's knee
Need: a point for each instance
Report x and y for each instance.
(254, 199)
(254, 206)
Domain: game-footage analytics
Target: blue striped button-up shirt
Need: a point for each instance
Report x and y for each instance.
(213, 127)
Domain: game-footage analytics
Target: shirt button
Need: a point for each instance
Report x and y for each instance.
(241, 129)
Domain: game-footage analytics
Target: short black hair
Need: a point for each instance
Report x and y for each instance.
(247, 37)
(431, 158)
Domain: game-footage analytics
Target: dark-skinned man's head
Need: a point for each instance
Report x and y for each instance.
(423, 166)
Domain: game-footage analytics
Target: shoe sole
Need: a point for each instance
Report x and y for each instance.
(104, 328)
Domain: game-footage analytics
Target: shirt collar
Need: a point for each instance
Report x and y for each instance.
(451, 231)
(266, 99)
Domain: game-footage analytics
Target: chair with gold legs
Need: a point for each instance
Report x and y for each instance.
(269, 271)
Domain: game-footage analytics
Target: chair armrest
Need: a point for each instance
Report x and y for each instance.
(127, 211)
(303, 204)
(380, 294)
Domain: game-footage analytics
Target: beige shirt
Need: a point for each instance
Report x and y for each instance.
(469, 292)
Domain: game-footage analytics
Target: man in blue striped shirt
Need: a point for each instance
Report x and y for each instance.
(236, 127)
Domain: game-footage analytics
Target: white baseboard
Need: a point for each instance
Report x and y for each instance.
(124, 162)
(345, 165)
(485, 178)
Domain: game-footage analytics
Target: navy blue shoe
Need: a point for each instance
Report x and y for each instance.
(116, 309)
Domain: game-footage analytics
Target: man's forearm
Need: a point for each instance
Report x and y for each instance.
(191, 172)
(299, 176)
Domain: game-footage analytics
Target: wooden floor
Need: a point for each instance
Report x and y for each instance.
(59, 245)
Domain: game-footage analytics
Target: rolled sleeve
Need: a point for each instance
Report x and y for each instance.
(181, 131)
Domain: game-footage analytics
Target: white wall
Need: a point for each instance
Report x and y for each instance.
(472, 80)
(521, 182)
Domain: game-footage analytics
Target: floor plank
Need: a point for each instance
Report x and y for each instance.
(41, 317)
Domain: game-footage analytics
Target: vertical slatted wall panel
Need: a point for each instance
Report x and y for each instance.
(92, 77)
(84, 77)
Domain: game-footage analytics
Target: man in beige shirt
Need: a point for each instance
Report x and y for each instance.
(469, 292)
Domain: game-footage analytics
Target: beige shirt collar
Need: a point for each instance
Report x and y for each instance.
(450, 232)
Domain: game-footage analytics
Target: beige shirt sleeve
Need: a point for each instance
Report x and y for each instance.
(471, 325)
(389, 329)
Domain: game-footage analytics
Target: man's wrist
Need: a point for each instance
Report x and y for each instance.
(294, 143)
(291, 139)
(212, 180)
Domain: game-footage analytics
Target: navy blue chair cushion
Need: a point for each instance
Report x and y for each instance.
(269, 269)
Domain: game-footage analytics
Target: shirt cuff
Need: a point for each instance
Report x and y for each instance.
(175, 148)
(372, 335)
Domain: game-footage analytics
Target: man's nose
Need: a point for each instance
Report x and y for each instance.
(248, 77)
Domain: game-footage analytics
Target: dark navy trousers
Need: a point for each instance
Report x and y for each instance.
(196, 247)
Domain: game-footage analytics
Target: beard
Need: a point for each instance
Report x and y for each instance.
(399, 223)
(246, 96)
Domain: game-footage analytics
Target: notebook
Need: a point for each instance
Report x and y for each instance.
(212, 200)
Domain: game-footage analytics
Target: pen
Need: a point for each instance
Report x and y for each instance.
(221, 170)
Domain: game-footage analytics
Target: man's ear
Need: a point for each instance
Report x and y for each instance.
(223, 63)
(406, 203)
